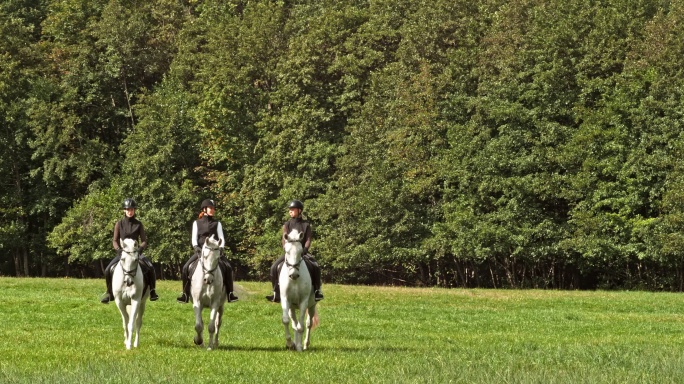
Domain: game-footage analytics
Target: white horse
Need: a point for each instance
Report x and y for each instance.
(208, 292)
(296, 294)
(128, 286)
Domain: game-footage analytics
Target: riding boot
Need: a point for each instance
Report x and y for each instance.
(315, 271)
(109, 295)
(227, 272)
(152, 277)
(275, 297)
(184, 298)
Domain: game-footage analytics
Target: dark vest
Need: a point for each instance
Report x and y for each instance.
(129, 228)
(206, 226)
(299, 224)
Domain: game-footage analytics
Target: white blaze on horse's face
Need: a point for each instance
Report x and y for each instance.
(211, 252)
(293, 253)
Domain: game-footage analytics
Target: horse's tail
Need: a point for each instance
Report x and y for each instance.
(315, 320)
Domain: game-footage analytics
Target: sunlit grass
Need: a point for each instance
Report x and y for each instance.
(56, 331)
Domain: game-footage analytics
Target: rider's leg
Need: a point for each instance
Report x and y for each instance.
(227, 271)
(151, 277)
(185, 294)
(275, 297)
(109, 295)
(315, 271)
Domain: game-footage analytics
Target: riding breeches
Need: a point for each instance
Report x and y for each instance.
(311, 265)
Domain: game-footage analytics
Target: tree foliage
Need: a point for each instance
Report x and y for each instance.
(520, 143)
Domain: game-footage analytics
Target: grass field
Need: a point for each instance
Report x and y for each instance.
(56, 331)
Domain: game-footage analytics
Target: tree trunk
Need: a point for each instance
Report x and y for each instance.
(26, 264)
(17, 263)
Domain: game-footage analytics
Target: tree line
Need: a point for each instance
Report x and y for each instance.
(454, 143)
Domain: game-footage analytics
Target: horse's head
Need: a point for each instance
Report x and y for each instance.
(130, 256)
(293, 253)
(211, 252)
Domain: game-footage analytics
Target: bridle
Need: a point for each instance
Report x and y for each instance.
(298, 262)
(133, 271)
(204, 269)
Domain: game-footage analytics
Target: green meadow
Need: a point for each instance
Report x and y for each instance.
(56, 331)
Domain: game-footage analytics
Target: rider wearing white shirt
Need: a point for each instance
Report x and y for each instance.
(203, 228)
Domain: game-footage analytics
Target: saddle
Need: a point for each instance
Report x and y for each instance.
(145, 267)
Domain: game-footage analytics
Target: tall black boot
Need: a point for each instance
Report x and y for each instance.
(275, 268)
(227, 272)
(315, 272)
(109, 295)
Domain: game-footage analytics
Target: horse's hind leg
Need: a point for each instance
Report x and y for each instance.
(219, 320)
(307, 330)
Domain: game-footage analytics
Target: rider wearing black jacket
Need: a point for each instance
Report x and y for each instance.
(297, 222)
(130, 228)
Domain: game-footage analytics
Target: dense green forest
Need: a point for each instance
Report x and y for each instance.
(456, 143)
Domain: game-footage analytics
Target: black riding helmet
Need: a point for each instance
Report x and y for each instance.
(208, 203)
(296, 204)
(129, 203)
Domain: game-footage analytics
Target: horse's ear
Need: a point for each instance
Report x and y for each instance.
(220, 242)
(121, 243)
(301, 235)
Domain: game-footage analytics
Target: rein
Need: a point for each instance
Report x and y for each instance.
(296, 265)
(133, 271)
(204, 269)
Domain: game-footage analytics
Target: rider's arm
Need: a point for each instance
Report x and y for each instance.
(115, 239)
(284, 238)
(194, 234)
(143, 238)
(307, 237)
(219, 230)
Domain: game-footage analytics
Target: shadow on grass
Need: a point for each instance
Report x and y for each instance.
(281, 348)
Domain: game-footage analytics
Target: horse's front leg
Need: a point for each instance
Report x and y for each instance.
(132, 323)
(199, 325)
(124, 318)
(286, 324)
(212, 326)
(299, 326)
(138, 322)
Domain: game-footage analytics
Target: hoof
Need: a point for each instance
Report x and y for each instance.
(198, 341)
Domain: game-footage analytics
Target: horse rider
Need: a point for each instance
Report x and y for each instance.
(202, 228)
(296, 221)
(130, 228)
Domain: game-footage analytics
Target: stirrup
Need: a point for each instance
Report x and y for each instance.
(318, 295)
(275, 297)
(183, 298)
(105, 299)
(153, 295)
(231, 297)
